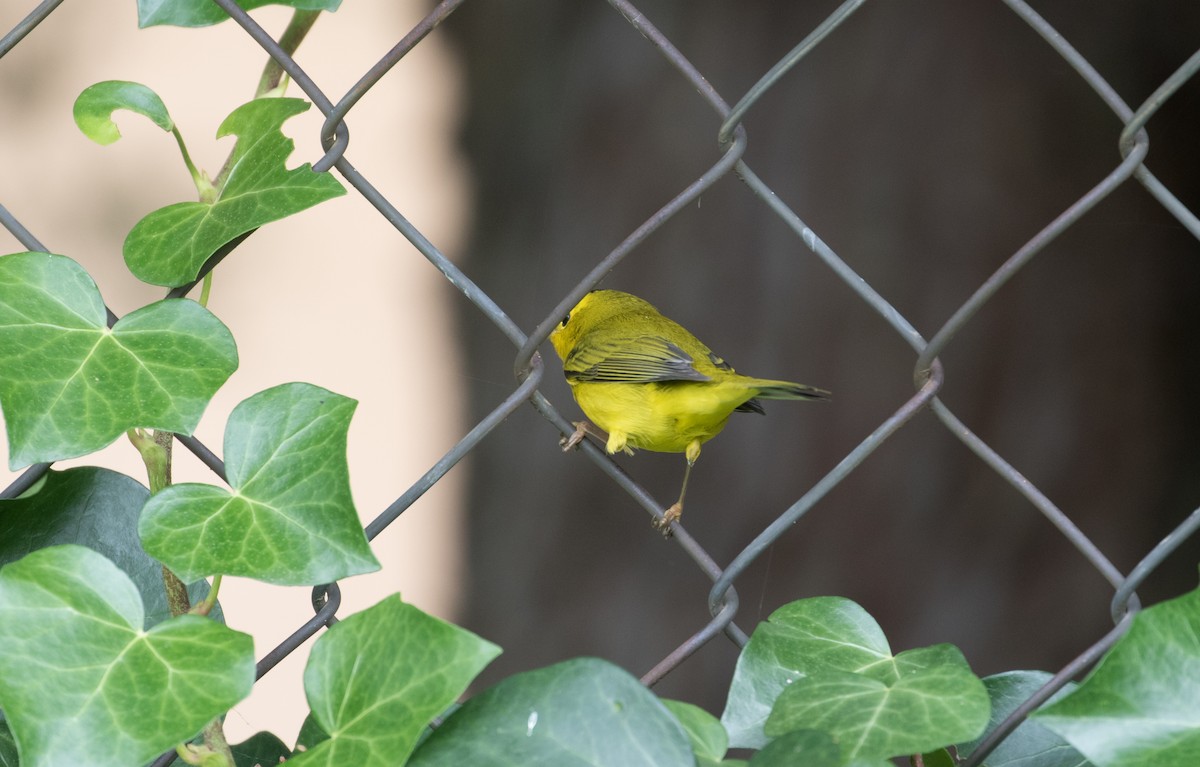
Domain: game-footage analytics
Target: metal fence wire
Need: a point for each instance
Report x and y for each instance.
(732, 138)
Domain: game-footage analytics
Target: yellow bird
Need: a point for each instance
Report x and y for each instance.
(651, 384)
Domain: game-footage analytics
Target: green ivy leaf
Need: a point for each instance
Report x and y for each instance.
(202, 13)
(920, 700)
(72, 386)
(803, 637)
(376, 678)
(99, 508)
(1139, 707)
(802, 747)
(580, 712)
(939, 758)
(259, 750)
(82, 683)
(289, 519)
(709, 739)
(310, 734)
(94, 107)
(1031, 744)
(169, 246)
(8, 747)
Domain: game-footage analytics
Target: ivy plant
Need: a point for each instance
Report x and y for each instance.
(114, 650)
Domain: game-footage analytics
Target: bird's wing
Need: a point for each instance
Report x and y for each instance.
(631, 360)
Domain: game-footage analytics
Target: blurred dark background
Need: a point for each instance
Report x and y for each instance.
(925, 142)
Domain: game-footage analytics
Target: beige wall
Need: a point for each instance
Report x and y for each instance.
(333, 296)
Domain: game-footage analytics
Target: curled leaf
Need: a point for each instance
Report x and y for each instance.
(94, 107)
(202, 13)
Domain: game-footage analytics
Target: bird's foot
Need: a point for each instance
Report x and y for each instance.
(582, 429)
(669, 517)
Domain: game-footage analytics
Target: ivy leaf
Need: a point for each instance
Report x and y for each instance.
(202, 13)
(1031, 744)
(8, 747)
(310, 734)
(72, 386)
(800, 638)
(708, 738)
(289, 519)
(94, 107)
(259, 750)
(376, 678)
(169, 246)
(921, 700)
(810, 748)
(1139, 706)
(82, 683)
(581, 712)
(99, 508)
(939, 758)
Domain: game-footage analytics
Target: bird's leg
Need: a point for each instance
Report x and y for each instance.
(672, 514)
(582, 429)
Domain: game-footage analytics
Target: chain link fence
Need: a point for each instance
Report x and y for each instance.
(530, 370)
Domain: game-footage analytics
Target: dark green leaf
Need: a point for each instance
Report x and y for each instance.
(262, 749)
(939, 758)
(804, 637)
(801, 747)
(310, 734)
(202, 13)
(98, 508)
(1031, 744)
(1140, 706)
(82, 683)
(930, 698)
(72, 386)
(8, 747)
(376, 678)
(169, 246)
(94, 107)
(290, 518)
(580, 712)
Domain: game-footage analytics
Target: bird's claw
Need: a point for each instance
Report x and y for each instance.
(669, 517)
(581, 431)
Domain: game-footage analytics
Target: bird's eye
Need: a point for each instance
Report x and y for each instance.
(565, 319)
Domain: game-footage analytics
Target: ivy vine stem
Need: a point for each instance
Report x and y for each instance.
(273, 78)
(210, 601)
(206, 288)
(155, 449)
(204, 186)
(273, 75)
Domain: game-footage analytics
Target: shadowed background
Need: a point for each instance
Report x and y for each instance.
(925, 143)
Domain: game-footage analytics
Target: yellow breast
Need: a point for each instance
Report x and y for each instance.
(665, 417)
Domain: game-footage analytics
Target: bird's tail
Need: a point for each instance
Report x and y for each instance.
(786, 390)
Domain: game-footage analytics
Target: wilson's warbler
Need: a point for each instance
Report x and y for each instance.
(651, 384)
